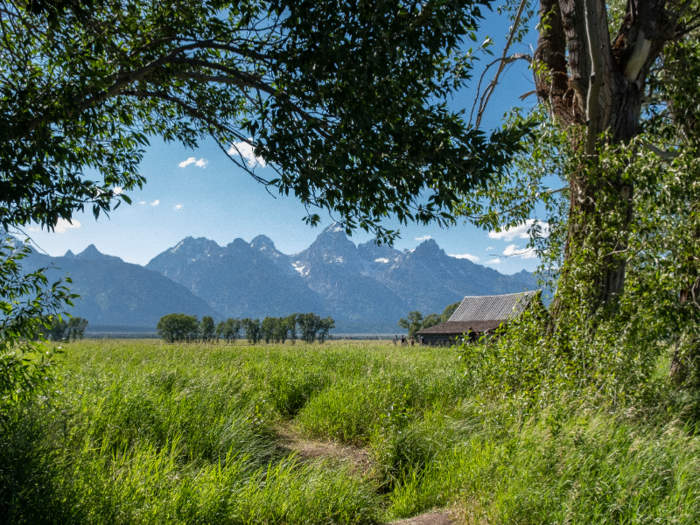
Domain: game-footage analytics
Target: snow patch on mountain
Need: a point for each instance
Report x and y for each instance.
(301, 269)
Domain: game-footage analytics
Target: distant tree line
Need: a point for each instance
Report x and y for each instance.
(58, 328)
(415, 321)
(187, 328)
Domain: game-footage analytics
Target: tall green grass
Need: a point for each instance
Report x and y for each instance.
(164, 434)
(595, 469)
(143, 432)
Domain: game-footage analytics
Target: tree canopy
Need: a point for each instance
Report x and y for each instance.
(178, 327)
(612, 173)
(344, 101)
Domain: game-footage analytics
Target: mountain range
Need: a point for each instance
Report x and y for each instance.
(113, 292)
(366, 288)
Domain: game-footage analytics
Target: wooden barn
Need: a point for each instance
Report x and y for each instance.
(479, 313)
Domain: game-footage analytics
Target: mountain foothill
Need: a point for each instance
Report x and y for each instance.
(366, 288)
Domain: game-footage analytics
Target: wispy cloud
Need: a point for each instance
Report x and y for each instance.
(62, 226)
(494, 261)
(155, 202)
(178, 207)
(424, 238)
(201, 163)
(514, 251)
(489, 248)
(469, 256)
(246, 151)
(520, 232)
(142, 202)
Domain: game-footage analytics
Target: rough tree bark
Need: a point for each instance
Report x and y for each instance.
(595, 83)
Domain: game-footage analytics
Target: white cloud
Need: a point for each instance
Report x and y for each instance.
(62, 226)
(155, 202)
(489, 248)
(512, 249)
(245, 150)
(142, 202)
(525, 253)
(34, 229)
(187, 162)
(424, 238)
(178, 207)
(117, 190)
(494, 261)
(469, 256)
(201, 163)
(520, 232)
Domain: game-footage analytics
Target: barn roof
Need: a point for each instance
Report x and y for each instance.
(492, 307)
(484, 312)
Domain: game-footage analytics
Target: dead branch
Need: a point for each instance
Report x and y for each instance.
(503, 61)
(664, 155)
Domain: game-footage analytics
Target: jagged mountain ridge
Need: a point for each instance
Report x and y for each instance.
(238, 280)
(427, 277)
(113, 292)
(365, 288)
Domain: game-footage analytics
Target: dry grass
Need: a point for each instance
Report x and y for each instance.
(358, 460)
(429, 518)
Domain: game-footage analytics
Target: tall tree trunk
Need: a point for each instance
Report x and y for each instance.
(598, 89)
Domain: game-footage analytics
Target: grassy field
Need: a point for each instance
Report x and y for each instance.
(346, 432)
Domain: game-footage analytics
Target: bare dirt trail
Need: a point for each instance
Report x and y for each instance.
(358, 459)
(430, 518)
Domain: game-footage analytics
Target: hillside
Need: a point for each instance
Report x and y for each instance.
(114, 292)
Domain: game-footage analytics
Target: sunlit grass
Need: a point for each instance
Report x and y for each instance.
(144, 432)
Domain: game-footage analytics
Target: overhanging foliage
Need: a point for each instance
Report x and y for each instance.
(345, 101)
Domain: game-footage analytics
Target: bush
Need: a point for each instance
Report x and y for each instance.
(609, 358)
(28, 305)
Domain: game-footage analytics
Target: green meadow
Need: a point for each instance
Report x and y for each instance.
(344, 432)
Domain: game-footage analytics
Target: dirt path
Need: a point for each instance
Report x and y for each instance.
(430, 518)
(359, 460)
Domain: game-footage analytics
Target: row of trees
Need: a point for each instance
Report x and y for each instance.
(187, 328)
(60, 329)
(415, 321)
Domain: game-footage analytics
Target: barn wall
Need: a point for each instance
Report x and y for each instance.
(440, 339)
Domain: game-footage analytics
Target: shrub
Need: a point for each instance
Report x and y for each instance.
(610, 358)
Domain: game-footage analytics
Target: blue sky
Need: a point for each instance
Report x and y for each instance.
(208, 196)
